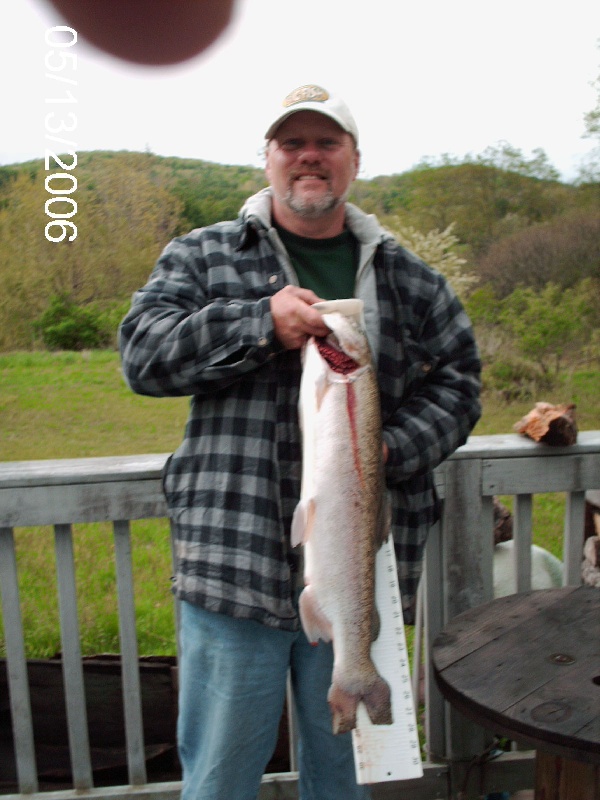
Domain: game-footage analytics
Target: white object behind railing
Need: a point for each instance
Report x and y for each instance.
(458, 576)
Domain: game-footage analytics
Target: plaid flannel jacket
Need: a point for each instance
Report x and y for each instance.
(202, 327)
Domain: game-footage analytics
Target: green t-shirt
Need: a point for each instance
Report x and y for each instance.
(327, 266)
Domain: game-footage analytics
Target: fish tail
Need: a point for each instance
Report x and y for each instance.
(378, 703)
(343, 705)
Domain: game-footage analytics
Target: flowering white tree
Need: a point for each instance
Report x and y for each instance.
(436, 248)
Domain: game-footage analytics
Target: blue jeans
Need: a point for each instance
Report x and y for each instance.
(232, 683)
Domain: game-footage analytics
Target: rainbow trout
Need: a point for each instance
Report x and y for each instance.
(343, 517)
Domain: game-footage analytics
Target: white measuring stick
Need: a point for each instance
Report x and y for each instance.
(389, 752)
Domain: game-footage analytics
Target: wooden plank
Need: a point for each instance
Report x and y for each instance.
(573, 537)
(435, 706)
(169, 790)
(523, 681)
(499, 772)
(72, 669)
(577, 717)
(279, 786)
(59, 472)
(132, 696)
(20, 703)
(485, 625)
(149, 466)
(467, 539)
(522, 535)
(558, 778)
(89, 502)
(539, 474)
(478, 627)
(511, 445)
(467, 543)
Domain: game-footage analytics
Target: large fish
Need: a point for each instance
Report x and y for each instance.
(342, 518)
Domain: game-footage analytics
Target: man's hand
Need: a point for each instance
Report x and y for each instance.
(293, 318)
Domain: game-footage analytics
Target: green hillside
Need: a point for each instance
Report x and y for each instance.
(496, 223)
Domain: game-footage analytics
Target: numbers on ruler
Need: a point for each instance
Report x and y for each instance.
(367, 743)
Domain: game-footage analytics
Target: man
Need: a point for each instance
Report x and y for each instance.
(222, 319)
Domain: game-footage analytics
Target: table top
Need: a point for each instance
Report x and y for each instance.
(527, 666)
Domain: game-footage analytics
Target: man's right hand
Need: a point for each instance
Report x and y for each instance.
(293, 318)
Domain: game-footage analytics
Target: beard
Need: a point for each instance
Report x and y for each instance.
(314, 208)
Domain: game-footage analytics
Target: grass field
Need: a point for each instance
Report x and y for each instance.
(73, 405)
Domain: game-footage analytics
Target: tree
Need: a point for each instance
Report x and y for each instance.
(548, 322)
(505, 157)
(482, 193)
(437, 248)
(563, 251)
(124, 218)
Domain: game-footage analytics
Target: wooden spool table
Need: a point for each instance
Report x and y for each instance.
(527, 666)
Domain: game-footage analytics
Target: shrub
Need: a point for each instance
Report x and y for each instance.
(547, 323)
(67, 326)
(516, 379)
(563, 251)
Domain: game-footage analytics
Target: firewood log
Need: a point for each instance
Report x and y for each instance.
(553, 425)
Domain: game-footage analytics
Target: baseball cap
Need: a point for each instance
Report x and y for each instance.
(314, 98)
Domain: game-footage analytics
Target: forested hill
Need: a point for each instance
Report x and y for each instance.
(126, 206)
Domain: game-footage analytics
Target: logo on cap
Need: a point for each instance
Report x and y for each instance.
(308, 93)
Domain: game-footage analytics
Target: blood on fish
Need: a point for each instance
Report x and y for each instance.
(351, 406)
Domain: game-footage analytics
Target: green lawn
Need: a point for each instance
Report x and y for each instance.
(70, 405)
(74, 405)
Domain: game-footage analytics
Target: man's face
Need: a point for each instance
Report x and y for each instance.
(311, 163)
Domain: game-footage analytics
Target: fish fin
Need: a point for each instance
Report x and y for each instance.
(378, 703)
(314, 622)
(302, 522)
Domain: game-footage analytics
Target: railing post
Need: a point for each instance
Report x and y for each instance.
(71, 660)
(467, 546)
(176, 607)
(573, 538)
(522, 533)
(467, 540)
(435, 706)
(130, 671)
(16, 666)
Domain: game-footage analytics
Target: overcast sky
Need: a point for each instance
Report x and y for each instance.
(423, 78)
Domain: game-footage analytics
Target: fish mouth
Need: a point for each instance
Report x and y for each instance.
(331, 352)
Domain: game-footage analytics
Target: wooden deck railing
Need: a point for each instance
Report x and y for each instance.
(458, 575)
